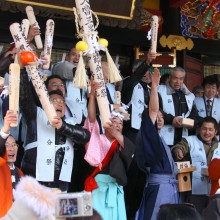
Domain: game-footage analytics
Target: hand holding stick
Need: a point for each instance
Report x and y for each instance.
(32, 19)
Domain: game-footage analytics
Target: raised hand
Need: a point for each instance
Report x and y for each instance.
(34, 30)
(10, 118)
(150, 56)
(178, 154)
(155, 77)
(56, 122)
(94, 86)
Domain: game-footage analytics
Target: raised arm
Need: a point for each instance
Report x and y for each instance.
(6, 60)
(143, 68)
(27, 105)
(77, 134)
(9, 118)
(154, 100)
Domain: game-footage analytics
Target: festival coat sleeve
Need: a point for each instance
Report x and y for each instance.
(121, 161)
(127, 153)
(26, 101)
(77, 134)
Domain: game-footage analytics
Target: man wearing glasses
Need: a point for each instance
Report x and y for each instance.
(76, 98)
(49, 147)
(9, 173)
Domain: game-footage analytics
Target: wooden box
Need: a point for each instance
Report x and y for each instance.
(184, 177)
(187, 122)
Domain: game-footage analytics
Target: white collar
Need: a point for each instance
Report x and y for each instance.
(218, 191)
(209, 99)
(12, 167)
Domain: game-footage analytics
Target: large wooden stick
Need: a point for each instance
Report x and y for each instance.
(14, 82)
(154, 30)
(22, 43)
(14, 77)
(25, 24)
(88, 30)
(32, 19)
(48, 43)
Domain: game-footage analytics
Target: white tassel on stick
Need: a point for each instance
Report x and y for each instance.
(80, 79)
(114, 75)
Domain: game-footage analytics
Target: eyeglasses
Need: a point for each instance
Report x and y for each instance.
(57, 101)
(14, 145)
(57, 84)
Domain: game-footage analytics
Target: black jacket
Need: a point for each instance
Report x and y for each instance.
(130, 82)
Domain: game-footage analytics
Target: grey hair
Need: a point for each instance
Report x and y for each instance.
(177, 68)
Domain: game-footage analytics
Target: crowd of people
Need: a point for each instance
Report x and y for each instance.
(128, 166)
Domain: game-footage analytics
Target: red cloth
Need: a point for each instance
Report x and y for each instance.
(90, 183)
(214, 175)
(6, 196)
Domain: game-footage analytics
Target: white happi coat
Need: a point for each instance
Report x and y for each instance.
(46, 150)
(137, 106)
(168, 130)
(201, 106)
(200, 183)
(111, 89)
(76, 103)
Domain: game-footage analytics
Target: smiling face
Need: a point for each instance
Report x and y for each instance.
(207, 132)
(56, 83)
(11, 149)
(210, 90)
(73, 56)
(59, 104)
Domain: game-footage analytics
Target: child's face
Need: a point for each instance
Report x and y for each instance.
(12, 149)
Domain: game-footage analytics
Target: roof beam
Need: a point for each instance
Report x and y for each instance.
(177, 3)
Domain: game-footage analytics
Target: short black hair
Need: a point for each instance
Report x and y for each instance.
(209, 119)
(197, 89)
(56, 92)
(163, 78)
(54, 77)
(212, 80)
(178, 211)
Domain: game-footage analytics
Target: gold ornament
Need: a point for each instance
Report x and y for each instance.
(82, 46)
(175, 41)
(103, 42)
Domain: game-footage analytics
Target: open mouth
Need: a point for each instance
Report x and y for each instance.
(58, 110)
(11, 156)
